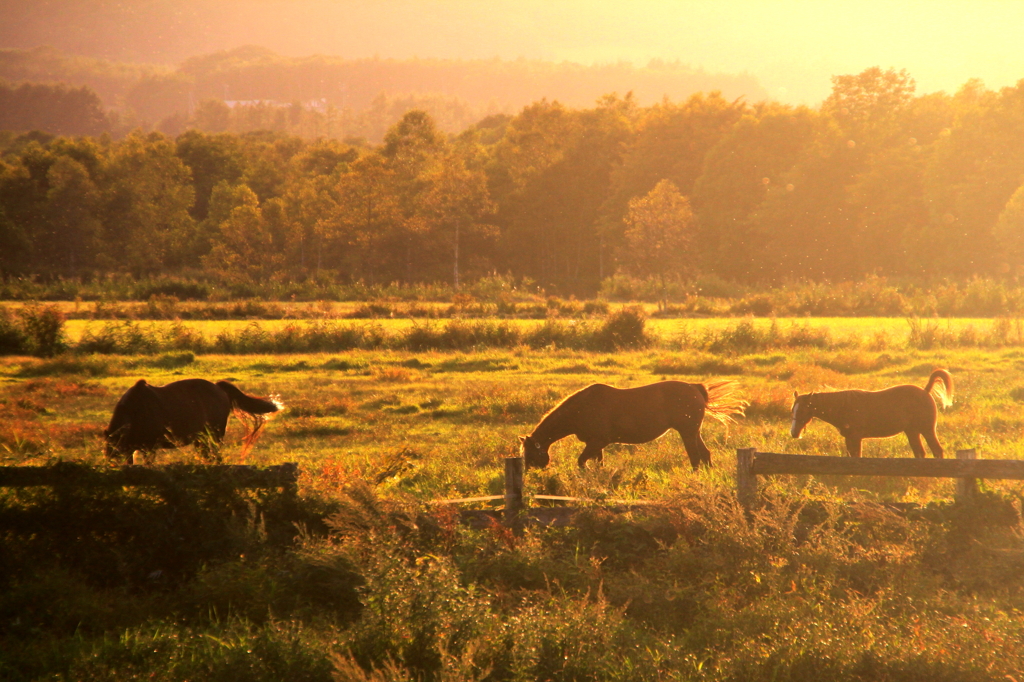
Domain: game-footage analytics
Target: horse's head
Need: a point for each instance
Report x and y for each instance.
(113, 436)
(803, 411)
(535, 454)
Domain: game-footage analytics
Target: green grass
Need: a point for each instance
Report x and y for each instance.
(371, 582)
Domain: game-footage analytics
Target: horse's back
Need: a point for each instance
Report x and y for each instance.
(641, 397)
(192, 405)
(891, 410)
(904, 396)
(635, 415)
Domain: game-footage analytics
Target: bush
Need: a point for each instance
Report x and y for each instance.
(69, 364)
(44, 327)
(13, 340)
(625, 328)
(120, 338)
(184, 290)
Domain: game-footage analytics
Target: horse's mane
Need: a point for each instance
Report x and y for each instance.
(725, 402)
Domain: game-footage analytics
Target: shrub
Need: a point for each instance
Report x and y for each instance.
(13, 340)
(69, 364)
(179, 289)
(625, 328)
(124, 338)
(44, 328)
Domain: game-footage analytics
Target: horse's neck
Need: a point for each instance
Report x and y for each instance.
(830, 407)
(553, 427)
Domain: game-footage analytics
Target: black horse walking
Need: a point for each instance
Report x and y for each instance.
(182, 412)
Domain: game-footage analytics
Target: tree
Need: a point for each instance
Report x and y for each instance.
(369, 216)
(550, 175)
(56, 109)
(148, 196)
(211, 159)
(248, 245)
(867, 105)
(1009, 235)
(455, 200)
(72, 212)
(976, 168)
(659, 229)
(671, 142)
(738, 173)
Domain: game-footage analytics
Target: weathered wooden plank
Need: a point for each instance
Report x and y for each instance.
(514, 468)
(470, 500)
(966, 488)
(776, 463)
(72, 474)
(746, 479)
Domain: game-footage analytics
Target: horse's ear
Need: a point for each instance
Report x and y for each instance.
(795, 395)
(522, 439)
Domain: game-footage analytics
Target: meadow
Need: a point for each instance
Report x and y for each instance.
(362, 578)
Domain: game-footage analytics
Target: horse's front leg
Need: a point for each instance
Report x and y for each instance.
(592, 451)
(853, 445)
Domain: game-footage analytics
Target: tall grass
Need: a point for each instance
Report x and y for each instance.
(817, 585)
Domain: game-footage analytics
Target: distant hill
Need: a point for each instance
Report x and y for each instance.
(110, 80)
(472, 88)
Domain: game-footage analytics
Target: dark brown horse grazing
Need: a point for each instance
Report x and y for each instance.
(879, 414)
(188, 411)
(599, 415)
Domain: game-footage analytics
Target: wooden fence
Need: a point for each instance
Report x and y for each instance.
(966, 468)
(79, 475)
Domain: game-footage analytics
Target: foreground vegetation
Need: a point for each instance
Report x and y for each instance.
(361, 578)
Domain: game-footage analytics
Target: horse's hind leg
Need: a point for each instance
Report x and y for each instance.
(696, 449)
(853, 446)
(592, 451)
(915, 443)
(933, 443)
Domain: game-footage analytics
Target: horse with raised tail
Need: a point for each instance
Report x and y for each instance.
(600, 415)
(879, 414)
(182, 412)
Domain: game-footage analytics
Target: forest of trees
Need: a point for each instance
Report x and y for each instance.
(876, 181)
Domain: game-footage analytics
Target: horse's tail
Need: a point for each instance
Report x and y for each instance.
(252, 411)
(248, 403)
(940, 385)
(724, 400)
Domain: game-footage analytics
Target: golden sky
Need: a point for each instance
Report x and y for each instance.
(792, 46)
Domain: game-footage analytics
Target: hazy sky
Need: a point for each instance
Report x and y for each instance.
(792, 46)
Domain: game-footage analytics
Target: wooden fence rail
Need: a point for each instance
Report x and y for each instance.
(515, 513)
(965, 468)
(70, 474)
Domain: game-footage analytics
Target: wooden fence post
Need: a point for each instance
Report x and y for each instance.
(746, 480)
(513, 516)
(966, 488)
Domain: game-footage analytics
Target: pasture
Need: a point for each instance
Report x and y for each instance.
(374, 583)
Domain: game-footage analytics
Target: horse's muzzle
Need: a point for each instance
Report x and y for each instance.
(795, 429)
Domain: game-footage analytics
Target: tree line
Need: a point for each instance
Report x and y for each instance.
(877, 180)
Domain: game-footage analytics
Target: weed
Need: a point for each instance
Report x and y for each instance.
(95, 366)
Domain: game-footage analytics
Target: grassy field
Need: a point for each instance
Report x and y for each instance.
(892, 331)
(367, 581)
